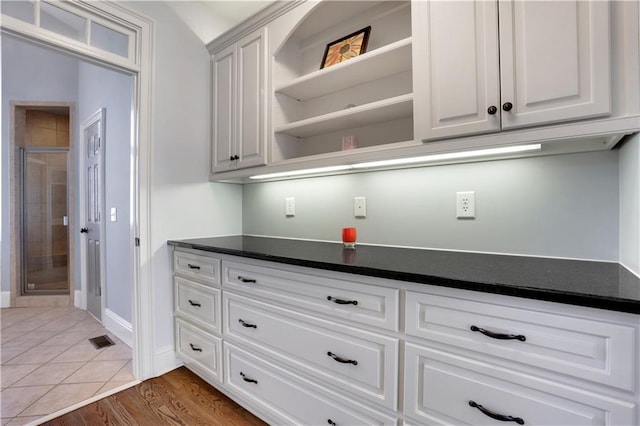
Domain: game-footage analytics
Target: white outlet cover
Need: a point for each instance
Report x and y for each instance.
(360, 206)
(466, 205)
(290, 206)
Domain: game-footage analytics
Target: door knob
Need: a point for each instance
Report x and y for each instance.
(507, 106)
(84, 230)
(492, 110)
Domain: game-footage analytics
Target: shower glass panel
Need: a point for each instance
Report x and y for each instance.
(45, 239)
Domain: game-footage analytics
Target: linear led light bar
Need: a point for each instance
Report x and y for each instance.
(403, 161)
(449, 156)
(303, 172)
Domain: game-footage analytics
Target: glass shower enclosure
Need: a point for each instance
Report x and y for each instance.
(45, 237)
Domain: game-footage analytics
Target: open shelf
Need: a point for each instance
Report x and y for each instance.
(374, 112)
(385, 61)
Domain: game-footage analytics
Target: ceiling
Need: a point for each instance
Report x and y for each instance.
(210, 18)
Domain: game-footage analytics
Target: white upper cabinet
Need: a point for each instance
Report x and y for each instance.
(239, 104)
(486, 66)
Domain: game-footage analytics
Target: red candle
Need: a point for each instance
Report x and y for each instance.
(349, 237)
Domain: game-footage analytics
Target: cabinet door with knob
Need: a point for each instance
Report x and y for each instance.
(238, 133)
(487, 66)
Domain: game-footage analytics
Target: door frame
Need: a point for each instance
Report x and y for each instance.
(15, 213)
(140, 66)
(98, 116)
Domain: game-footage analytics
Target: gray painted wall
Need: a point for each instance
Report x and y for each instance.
(630, 204)
(29, 73)
(183, 203)
(102, 88)
(560, 206)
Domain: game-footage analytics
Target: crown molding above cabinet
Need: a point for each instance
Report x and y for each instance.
(505, 75)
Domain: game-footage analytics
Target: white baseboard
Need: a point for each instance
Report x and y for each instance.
(165, 361)
(5, 299)
(118, 326)
(77, 299)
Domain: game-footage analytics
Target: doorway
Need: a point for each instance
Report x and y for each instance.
(42, 191)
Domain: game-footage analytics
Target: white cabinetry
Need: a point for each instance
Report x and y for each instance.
(239, 104)
(306, 346)
(471, 362)
(369, 96)
(485, 66)
(197, 313)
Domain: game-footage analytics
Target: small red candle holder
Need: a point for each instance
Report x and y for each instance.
(349, 237)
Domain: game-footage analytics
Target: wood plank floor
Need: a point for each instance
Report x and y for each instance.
(176, 398)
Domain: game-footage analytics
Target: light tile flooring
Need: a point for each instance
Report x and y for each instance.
(49, 364)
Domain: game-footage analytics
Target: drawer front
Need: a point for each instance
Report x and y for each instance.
(204, 269)
(295, 400)
(592, 350)
(439, 388)
(198, 304)
(337, 299)
(199, 348)
(355, 361)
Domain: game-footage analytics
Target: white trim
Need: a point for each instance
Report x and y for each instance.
(165, 360)
(5, 299)
(118, 326)
(78, 302)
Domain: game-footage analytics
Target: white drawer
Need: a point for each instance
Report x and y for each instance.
(204, 269)
(337, 299)
(440, 386)
(356, 361)
(593, 350)
(198, 303)
(199, 349)
(294, 400)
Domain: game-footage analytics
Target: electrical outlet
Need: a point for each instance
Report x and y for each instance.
(290, 206)
(466, 205)
(360, 207)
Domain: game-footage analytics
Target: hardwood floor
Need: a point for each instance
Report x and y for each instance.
(176, 398)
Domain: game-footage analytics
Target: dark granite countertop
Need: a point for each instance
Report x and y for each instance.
(595, 284)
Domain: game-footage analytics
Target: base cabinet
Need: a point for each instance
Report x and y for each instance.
(273, 338)
(444, 389)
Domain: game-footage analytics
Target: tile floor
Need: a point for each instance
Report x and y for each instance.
(48, 363)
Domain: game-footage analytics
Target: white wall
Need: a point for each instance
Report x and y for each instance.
(102, 88)
(29, 73)
(630, 204)
(560, 206)
(183, 203)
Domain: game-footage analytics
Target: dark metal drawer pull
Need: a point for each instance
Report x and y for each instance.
(342, 360)
(191, 266)
(246, 280)
(493, 415)
(246, 324)
(331, 422)
(246, 379)
(195, 348)
(342, 302)
(192, 303)
(520, 337)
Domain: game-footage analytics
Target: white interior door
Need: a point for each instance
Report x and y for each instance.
(93, 173)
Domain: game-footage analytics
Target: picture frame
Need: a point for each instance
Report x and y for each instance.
(345, 48)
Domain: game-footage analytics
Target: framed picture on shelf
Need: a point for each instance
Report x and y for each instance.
(347, 47)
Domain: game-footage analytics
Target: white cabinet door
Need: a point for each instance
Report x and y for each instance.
(554, 61)
(549, 62)
(223, 102)
(252, 110)
(239, 104)
(455, 53)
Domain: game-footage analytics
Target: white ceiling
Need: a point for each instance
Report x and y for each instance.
(210, 18)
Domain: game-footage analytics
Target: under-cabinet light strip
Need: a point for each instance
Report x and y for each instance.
(404, 161)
